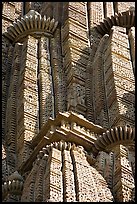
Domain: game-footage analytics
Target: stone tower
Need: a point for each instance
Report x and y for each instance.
(68, 101)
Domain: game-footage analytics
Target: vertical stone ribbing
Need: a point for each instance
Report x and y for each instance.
(29, 186)
(95, 15)
(4, 92)
(11, 107)
(131, 36)
(81, 174)
(53, 185)
(123, 176)
(7, 55)
(59, 76)
(27, 106)
(119, 79)
(62, 173)
(90, 185)
(6, 67)
(104, 165)
(46, 89)
(75, 52)
(109, 87)
(99, 96)
(38, 196)
(69, 193)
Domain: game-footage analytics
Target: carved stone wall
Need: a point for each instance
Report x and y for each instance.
(123, 6)
(115, 84)
(123, 184)
(75, 52)
(10, 12)
(59, 75)
(11, 104)
(67, 176)
(46, 95)
(104, 165)
(123, 78)
(68, 101)
(27, 94)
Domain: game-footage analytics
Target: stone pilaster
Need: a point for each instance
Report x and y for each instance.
(27, 94)
(7, 56)
(104, 165)
(109, 9)
(98, 88)
(68, 178)
(95, 15)
(59, 75)
(119, 79)
(75, 52)
(38, 188)
(131, 36)
(85, 176)
(123, 182)
(11, 121)
(46, 89)
(53, 177)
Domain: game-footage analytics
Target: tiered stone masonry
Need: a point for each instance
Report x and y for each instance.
(68, 101)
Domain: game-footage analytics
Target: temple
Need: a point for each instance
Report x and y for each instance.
(68, 101)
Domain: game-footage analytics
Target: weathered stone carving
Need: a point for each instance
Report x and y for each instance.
(66, 173)
(125, 184)
(58, 58)
(13, 185)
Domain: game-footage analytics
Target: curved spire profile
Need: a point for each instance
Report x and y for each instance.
(31, 23)
(125, 19)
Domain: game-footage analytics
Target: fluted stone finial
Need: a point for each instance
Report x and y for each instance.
(109, 138)
(31, 23)
(132, 8)
(14, 185)
(15, 176)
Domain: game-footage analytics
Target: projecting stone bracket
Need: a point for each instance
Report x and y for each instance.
(69, 127)
(31, 24)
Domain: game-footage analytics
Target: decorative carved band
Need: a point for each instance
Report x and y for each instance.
(113, 136)
(31, 23)
(124, 19)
